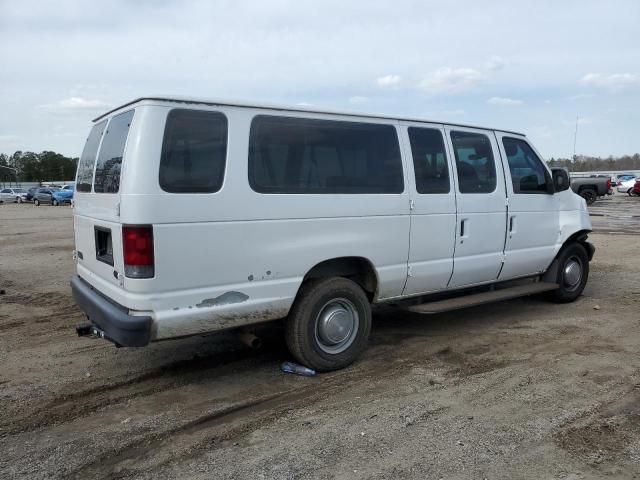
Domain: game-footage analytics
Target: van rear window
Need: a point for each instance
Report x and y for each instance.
(88, 158)
(302, 155)
(194, 151)
(110, 157)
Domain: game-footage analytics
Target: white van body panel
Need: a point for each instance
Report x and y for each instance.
(237, 257)
(532, 225)
(479, 251)
(433, 223)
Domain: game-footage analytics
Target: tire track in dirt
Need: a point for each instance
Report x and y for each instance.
(67, 407)
(241, 419)
(602, 436)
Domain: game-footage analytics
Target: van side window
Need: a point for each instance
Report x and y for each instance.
(429, 160)
(528, 174)
(474, 162)
(109, 161)
(194, 151)
(301, 155)
(88, 158)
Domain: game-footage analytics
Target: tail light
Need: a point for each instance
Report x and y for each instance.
(619, 184)
(608, 183)
(137, 246)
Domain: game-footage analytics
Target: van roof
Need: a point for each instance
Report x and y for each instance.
(288, 108)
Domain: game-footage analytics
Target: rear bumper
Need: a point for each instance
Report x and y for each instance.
(113, 319)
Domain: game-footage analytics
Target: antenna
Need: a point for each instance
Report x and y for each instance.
(575, 138)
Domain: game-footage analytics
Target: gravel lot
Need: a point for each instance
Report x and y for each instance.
(520, 389)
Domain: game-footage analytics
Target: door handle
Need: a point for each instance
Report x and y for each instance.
(464, 230)
(512, 225)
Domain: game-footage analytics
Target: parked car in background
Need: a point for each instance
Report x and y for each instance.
(30, 193)
(45, 195)
(15, 195)
(590, 188)
(623, 177)
(64, 195)
(626, 185)
(636, 188)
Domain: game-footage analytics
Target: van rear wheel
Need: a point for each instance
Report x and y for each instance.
(329, 324)
(573, 272)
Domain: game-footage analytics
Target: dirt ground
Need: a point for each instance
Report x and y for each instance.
(519, 389)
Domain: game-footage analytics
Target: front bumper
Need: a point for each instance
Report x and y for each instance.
(111, 318)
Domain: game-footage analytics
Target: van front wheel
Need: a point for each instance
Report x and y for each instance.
(329, 324)
(573, 271)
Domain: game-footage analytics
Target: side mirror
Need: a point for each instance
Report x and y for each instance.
(561, 181)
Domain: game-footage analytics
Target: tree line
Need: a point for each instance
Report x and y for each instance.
(583, 163)
(37, 167)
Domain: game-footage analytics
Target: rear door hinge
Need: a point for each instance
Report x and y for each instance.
(506, 201)
(504, 258)
(412, 204)
(409, 274)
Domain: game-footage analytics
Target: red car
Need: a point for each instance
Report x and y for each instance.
(636, 188)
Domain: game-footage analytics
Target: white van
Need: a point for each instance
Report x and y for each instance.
(195, 216)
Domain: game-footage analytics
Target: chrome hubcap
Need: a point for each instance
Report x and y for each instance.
(336, 325)
(572, 272)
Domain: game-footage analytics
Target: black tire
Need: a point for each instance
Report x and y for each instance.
(36, 202)
(589, 194)
(18, 199)
(570, 289)
(314, 300)
(630, 192)
(54, 203)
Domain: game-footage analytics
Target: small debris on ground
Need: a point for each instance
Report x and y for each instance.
(290, 367)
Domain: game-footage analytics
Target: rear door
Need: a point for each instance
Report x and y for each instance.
(98, 233)
(433, 208)
(533, 215)
(481, 206)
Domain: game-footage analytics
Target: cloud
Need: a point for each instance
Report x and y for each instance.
(76, 104)
(358, 100)
(614, 82)
(504, 102)
(495, 64)
(581, 96)
(451, 80)
(389, 81)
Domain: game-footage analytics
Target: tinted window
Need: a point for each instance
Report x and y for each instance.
(296, 155)
(110, 157)
(429, 160)
(88, 158)
(474, 162)
(194, 150)
(527, 171)
(6, 190)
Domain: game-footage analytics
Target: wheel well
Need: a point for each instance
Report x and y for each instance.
(358, 269)
(580, 237)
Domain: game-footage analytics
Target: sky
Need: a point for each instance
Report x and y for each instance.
(529, 66)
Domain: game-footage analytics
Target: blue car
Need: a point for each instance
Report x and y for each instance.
(64, 195)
